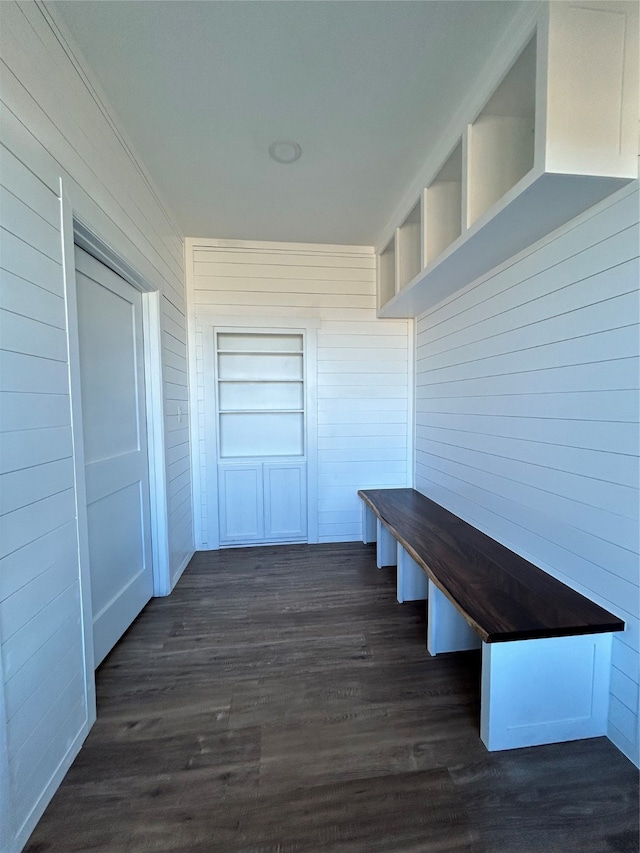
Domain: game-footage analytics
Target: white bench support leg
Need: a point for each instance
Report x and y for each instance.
(386, 551)
(412, 583)
(447, 631)
(368, 524)
(544, 691)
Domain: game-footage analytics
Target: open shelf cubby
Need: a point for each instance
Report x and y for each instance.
(550, 131)
(387, 272)
(444, 206)
(501, 139)
(410, 246)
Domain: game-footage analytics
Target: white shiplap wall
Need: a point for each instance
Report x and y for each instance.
(527, 418)
(55, 125)
(362, 364)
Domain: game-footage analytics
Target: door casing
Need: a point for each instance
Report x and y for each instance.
(116, 458)
(75, 231)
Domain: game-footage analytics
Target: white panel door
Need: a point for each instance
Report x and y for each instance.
(115, 449)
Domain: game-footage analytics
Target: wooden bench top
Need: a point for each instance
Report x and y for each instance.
(500, 594)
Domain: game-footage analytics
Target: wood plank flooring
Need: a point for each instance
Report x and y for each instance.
(281, 701)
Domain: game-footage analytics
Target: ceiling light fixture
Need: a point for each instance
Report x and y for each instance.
(285, 151)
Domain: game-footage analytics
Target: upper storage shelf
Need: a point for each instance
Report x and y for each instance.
(552, 138)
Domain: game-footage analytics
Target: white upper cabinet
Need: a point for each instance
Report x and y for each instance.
(553, 135)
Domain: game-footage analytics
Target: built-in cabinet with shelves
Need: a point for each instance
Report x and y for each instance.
(551, 135)
(260, 396)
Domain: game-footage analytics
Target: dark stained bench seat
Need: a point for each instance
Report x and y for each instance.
(500, 594)
(546, 648)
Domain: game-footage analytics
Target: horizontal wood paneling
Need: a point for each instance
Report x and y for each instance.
(62, 716)
(611, 375)
(25, 261)
(320, 287)
(361, 379)
(20, 488)
(21, 726)
(33, 634)
(27, 186)
(209, 314)
(281, 272)
(31, 374)
(527, 418)
(32, 337)
(601, 465)
(27, 225)
(290, 257)
(22, 565)
(20, 690)
(25, 604)
(20, 296)
(25, 410)
(55, 124)
(256, 299)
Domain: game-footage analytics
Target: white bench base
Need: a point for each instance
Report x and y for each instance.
(447, 631)
(411, 582)
(533, 691)
(544, 691)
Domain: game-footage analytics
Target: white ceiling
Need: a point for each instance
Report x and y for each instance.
(366, 88)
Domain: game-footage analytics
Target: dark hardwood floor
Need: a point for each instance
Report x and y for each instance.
(281, 701)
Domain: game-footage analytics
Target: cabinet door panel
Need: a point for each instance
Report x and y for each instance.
(241, 503)
(285, 490)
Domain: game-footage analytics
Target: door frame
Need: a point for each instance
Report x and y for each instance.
(76, 231)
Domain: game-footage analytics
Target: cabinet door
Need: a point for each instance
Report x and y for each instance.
(285, 498)
(241, 504)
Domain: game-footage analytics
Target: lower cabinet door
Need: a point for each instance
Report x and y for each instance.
(262, 502)
(241, 503)
(285, 501)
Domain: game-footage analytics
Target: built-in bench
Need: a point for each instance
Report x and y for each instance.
(546, 649)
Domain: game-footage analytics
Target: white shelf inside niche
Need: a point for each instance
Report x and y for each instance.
(576, 64)
(410, 246)
(501, 139)
(387, 272)
(444, 206)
